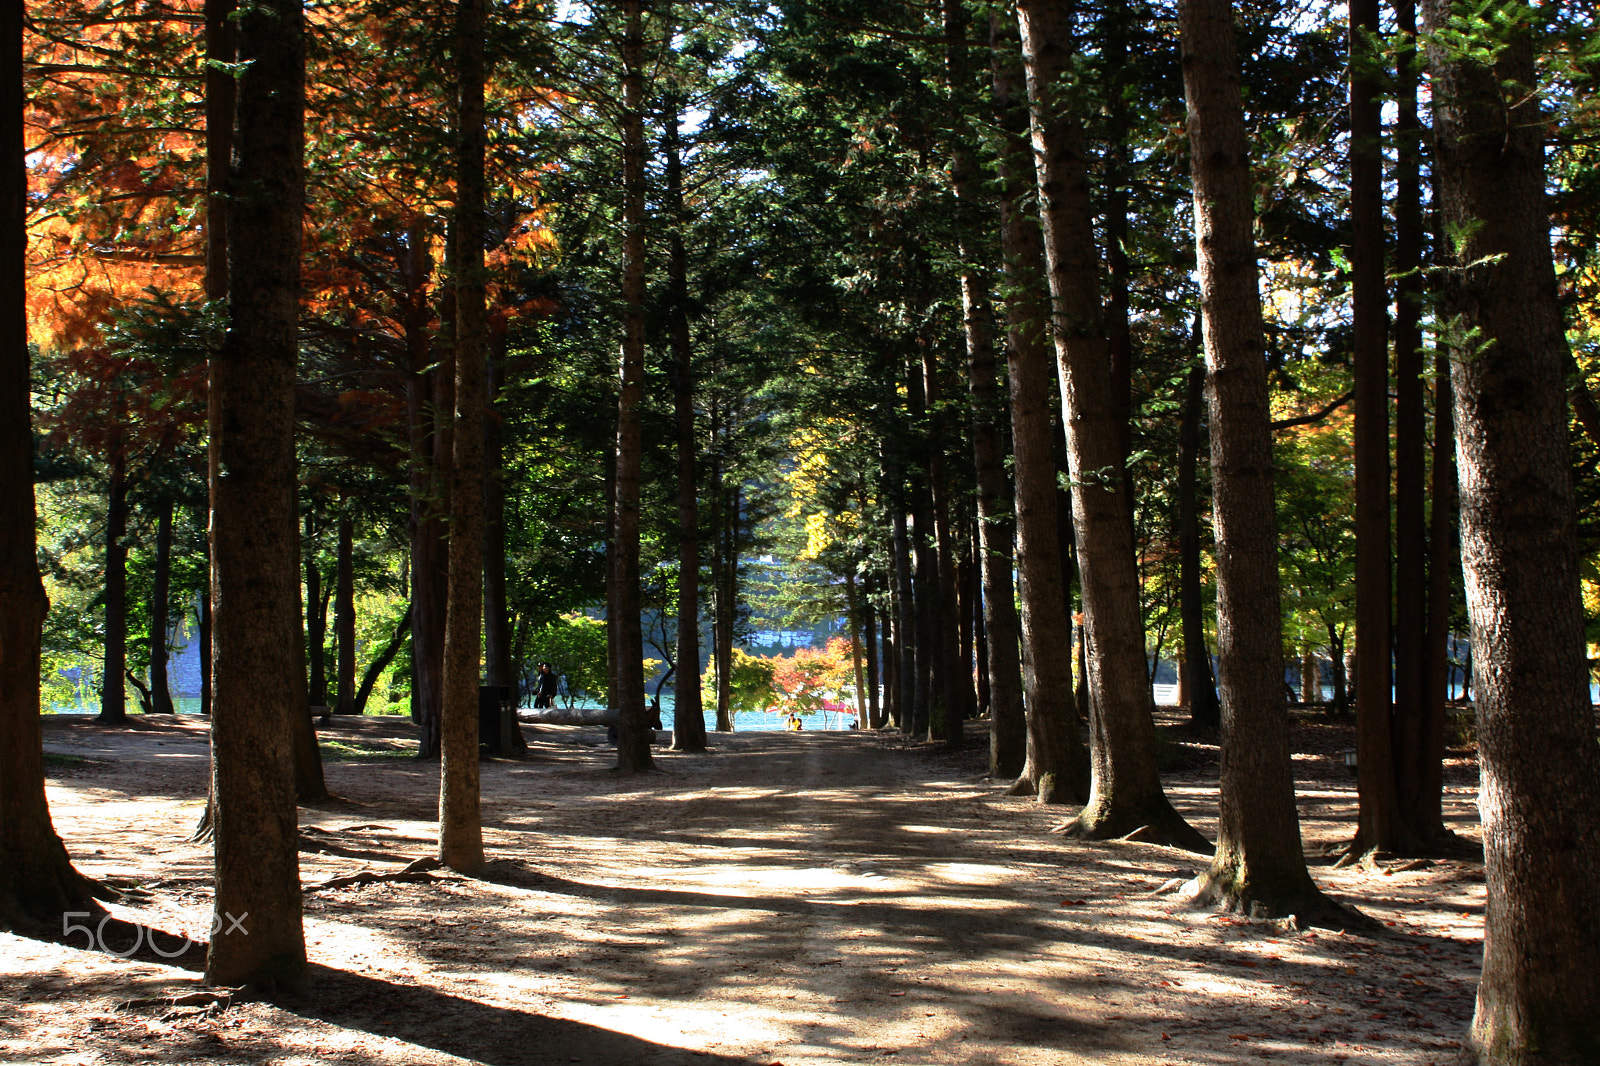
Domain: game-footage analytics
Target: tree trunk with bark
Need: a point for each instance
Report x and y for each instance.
(905, 621)
(1205, 713)
(1001, 663)
(344, 620)
(316, 623)
(1056, 767)
(949, 675)
(869, 637)
(426, 440)
(160, 594)
(633, 734)
(1539, 993)
(1125, 785)
(37, 880)
(688, 714)
(1418, 760)
(254, 535)
(460, 824)
(1380, 826)
(113, 690)
(1008, 737)
(1259, 858)
(497, 657)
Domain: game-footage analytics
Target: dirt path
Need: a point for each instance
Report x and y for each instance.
(788, 898)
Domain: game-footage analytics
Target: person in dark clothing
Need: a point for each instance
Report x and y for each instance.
(545, 695)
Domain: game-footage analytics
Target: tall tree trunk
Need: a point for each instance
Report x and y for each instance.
(37, 881)
(906, 614)
(1417, 759)
(113, 692)
(427, 497)
(316, 623)
(980, 636)
(1055, 767)
(992, 548)
(947, 676)
(1115, 22)
(1125, 788)
(1539, 994)
(344, 619)
(727, 610)
(460, 824)
(869, 637)
(497, 658)
(927, 688)
(1380, 826)
(160, 594)
(1008, 737)
(254, 538)
(1443, 562)
(1259, 858)
(853, 620)
(1205, 713)
(203, 624)
(633, 734)
(688, 714)
(890, 669)
(721, 602)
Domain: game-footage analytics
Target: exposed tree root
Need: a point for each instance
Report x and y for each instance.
(412, 871)
(1297, 908)
(1155, 823)
(214, 1002)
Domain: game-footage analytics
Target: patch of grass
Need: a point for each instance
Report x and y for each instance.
(341, 751)
(56, 759)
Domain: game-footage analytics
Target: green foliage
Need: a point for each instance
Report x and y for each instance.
(575, 645)
(751, 688)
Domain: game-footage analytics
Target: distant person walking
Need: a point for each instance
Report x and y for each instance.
(545, 695)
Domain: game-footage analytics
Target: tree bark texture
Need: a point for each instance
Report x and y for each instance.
(344, 620)
(37, 881)
(1205, 713)
(113, 690)
(1380, 826)
(1539, 994)
(1125, 785)
(1055, 766)
(1259, 856)
(497, 657)
(316, 623)
(1008, 737)
(160, 594)
(255, 580)
(950, 677)
(688, 714)
(460, 825)
(428, 574)
(1418, 758)
(1443, 563)
(905, 620)
(633, 736)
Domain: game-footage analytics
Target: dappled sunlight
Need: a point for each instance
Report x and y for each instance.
(804, 899)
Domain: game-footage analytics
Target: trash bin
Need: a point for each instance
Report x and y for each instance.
(495, 720)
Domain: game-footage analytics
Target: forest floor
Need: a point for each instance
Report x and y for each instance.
(804, 899)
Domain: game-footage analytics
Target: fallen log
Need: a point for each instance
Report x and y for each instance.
(569, 715)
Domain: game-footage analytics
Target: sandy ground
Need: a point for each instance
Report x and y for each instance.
(786, 898)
